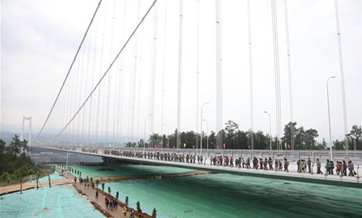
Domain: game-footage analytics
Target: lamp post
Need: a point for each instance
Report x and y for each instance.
(144, 142)
(202, 106)
(270, 142)
(207, 137)
(168, 140)
(329, 119)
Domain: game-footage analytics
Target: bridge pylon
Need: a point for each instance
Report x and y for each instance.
(29, 129)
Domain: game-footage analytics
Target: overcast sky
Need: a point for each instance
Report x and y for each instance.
(40, 38)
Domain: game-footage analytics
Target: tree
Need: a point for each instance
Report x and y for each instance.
(38, 174)
(18, 147)
(355, 134)
(155, 139)
(138, 206)
(2, 146)
(50, 184)
(189, 138)
(97, 182)
(230, 133)
(310, 136)
(173, 139)
(212, 139)
(164, 141)
(241, 140)
(140, 143)
(299, 142)
(220, 138)
(290, 131)
(322, 146)
(14, 160)
(260, 140)
(5, 176)
(154, 213)
(20, 174)
(126, 201)
(338, 145)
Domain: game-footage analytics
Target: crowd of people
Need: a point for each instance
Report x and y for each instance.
(340, 168)
(111, 204)
(262, 163)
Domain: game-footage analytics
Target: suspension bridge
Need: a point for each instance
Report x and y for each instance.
(145, 67)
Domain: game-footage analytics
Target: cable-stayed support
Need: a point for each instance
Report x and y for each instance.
(120, 93)
(342, 76)
(133, 81)
(108, 69)
(290, 76)
(178, 139)
(70, 68)
(163, 71)
(107, 112)
(251, 79)
(153, 72)
(276, 70)
(197, 70)
(99, 94)
(219, 76)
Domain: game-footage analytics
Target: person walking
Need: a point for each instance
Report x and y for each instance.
(286, 165)
(302, 165)
(350, 168)
(328, 167)
(319, 167)
(266, 164)
(344, 167)
(270, 162)
(124, 211)
(309, 163)
(299, 168)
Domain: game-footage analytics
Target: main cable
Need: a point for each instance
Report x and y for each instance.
(70, 68)
(110, 66)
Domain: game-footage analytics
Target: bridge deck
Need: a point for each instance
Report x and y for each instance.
(292, 175)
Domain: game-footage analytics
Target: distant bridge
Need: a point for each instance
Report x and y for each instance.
(177, 157)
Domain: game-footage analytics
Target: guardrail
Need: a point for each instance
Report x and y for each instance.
(291, 155)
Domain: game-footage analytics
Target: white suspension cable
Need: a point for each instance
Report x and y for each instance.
(290, 76)
(179, 93)
(342, 77)
(108, 69)
(219, 75)
(251, 79)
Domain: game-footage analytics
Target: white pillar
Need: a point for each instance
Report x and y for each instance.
(219, 77)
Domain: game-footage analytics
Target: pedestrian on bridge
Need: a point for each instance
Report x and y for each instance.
(350, 168)
(319, 167)
(286, 165)
(309, 163)
(344, 166)
(270, 162)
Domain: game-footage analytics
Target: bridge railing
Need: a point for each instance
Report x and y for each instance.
(292, 155)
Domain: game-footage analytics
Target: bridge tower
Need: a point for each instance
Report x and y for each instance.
(29, 129)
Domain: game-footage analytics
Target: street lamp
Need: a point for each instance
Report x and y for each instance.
(207, 137)
(201, 127)
(329, 119)
(144, 142)
(270, 143)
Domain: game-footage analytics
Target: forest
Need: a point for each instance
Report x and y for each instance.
(234, 138)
